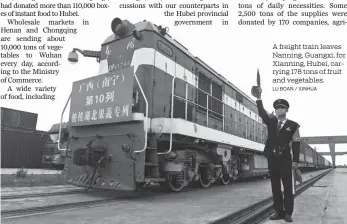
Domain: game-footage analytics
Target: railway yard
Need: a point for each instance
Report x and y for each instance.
(239, 202)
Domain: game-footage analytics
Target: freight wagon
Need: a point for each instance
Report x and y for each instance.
(21, 148)
(21, 143)
(302, 155)
(316, 163)
(156, 114)
(326, 163)
(310, 159)
(18, 119)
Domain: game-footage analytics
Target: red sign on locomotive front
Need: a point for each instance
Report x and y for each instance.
(105, 98)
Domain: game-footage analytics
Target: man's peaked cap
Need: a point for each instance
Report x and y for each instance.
(281, 102)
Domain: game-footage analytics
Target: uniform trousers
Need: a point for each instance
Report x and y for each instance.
(280, 169)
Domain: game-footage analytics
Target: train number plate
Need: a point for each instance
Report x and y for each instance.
(101, 99)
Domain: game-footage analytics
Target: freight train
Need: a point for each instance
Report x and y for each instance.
(157, 115)
(310, 159)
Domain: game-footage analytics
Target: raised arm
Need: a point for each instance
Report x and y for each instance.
(262, 113)
(296, 145)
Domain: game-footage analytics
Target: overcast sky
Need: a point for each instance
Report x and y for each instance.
(233, 51)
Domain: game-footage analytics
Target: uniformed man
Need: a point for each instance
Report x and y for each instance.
(281, 133)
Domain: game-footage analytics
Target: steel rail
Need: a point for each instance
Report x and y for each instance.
(18, 213)
(39, 210)
(43, 194)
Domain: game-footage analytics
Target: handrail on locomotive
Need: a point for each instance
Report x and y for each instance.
(145, 117)
(172, 108)
(61, 120)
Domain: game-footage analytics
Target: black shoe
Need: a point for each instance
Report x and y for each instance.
(288, 218)
(276, 216)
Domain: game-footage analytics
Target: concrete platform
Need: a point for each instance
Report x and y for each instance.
(323, 203)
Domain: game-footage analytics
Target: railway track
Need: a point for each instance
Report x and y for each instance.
(18, 213)
(260, 211)
(100, 200)
(39, 210)
(94, 200)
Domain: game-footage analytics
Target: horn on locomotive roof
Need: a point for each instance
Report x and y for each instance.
(121, 27)
(162, 30)
(137, 34)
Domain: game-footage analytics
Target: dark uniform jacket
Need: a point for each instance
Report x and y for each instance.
(279, 143)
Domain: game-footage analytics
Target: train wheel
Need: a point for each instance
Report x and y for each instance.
(174, 183)
(225, 180)
(204, 179)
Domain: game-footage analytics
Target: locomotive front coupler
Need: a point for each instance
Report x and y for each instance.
(95, 153)
(97, 157)
(91, 178)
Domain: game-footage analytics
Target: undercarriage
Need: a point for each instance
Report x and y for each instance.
(193, 167)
